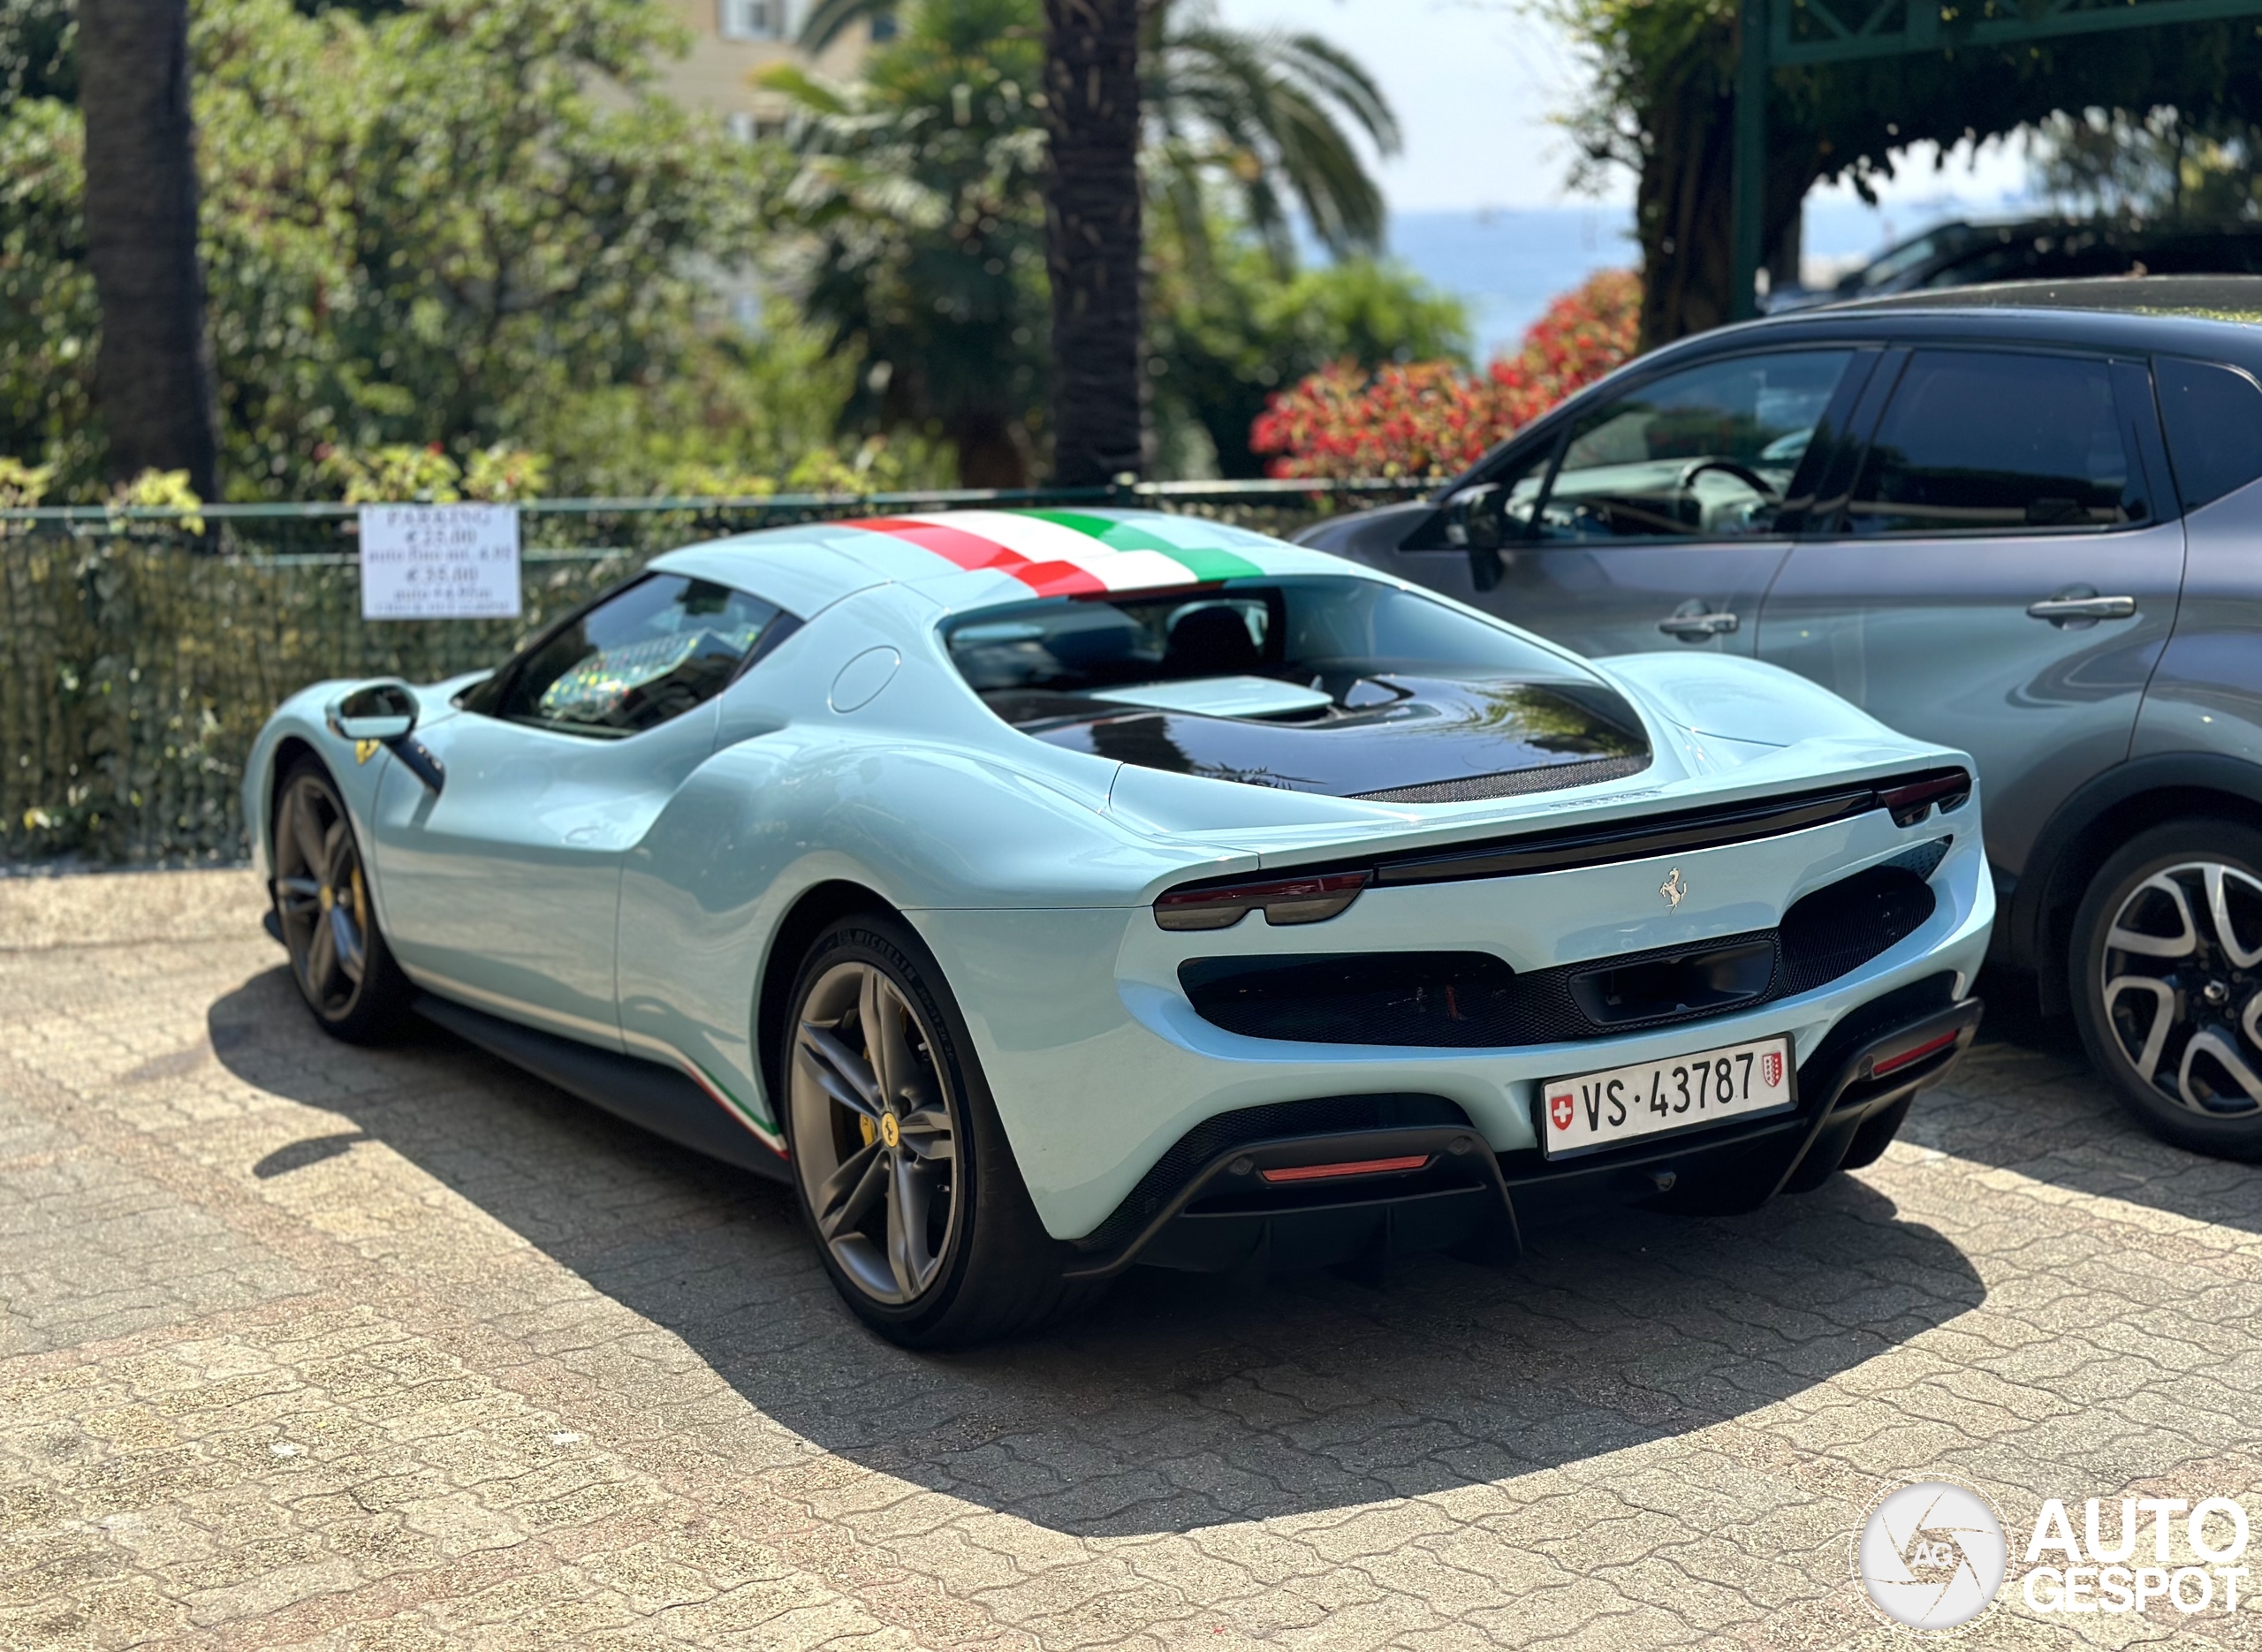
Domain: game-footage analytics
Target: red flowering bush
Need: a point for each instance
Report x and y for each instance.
(1427, 418)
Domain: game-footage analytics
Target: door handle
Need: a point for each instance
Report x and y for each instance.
(1694, 627)
(2079, 604)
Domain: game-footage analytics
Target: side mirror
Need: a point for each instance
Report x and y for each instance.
(1476, 517)
(384, 714)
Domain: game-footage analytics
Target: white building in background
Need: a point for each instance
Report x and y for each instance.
(734, 40)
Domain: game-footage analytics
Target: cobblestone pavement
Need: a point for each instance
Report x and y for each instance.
(307, 1346)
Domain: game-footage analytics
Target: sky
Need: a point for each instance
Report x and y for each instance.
(1475, 83)
(1479, 198)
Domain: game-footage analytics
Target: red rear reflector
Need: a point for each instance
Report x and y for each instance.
(1351, 1167)
(1893, 1064)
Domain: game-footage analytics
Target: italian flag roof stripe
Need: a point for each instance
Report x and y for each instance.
(1061, 553)
(1204, 563)
(964, 549)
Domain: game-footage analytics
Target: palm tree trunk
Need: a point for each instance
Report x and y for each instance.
(153, 379)
(1092, 238)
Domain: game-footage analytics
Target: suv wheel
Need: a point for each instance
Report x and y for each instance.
(2167, 977)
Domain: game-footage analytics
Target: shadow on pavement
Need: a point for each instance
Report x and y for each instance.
(1177, 1403)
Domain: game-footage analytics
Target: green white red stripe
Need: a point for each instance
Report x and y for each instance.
(1062, 553)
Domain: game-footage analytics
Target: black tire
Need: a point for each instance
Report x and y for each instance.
(339, 956)
(2174, 1020)
(977, 1264)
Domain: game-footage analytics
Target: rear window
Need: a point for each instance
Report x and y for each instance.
(1986, 442)
(1291, 648)
(2213, 416)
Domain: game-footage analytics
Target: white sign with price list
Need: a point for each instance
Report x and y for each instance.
(440, 562)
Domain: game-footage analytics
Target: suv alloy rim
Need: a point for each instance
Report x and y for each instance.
(873, 1142)
(2183, 988)
(321, 897)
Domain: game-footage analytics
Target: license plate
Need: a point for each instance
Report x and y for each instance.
(1601, 1110)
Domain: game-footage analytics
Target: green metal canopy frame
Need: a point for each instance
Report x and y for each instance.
(1783, 32)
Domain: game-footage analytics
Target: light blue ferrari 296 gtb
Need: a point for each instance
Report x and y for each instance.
(1042, 893)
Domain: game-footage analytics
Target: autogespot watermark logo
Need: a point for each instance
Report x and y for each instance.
(2094, 1579)
(1934, 1555)
(1931, 1556)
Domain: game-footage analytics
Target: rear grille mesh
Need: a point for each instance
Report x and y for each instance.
(1474, 1001)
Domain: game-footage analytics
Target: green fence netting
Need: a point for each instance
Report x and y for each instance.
(139, 652)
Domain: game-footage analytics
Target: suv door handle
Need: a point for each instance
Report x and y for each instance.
(1690, 627)
(2081, 602)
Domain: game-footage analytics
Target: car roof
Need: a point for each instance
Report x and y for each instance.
(980, 558)
(2216, 318)
(2232, 299)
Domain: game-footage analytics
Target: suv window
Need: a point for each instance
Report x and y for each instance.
(2213, 416)
(1711, 450)
(648, 652)
(1987, 440)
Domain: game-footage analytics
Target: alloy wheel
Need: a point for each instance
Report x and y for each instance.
(875, 1137)
(321, 895)
(2182, 983)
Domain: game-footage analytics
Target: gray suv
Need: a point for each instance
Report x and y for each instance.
(2023, 520)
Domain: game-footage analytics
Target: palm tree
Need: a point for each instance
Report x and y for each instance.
(1092, 238)
(153, 379)
(919, 193)
(1262, 119)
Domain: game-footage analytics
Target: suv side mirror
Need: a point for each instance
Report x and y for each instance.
(1476, 519)
(384, 713)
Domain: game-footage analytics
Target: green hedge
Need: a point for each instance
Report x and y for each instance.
(140, 653)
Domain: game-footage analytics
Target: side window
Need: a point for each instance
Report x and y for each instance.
(647, 653)
(1981, 441)
(1711, 452)
(2213, 416)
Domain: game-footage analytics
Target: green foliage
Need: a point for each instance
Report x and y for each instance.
(1224, 337)
(2158, 165)
(463, 222)
(744, 413)
(22, 487)
(1261, 119)
(38, 42)
(430, 228)
(917, 194)
(48, 320)
(158, 490)
(1258, 117)
(1657, 102)
(430, 475)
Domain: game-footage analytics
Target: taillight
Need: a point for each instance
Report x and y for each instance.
(1910, 803)
(1282, 901)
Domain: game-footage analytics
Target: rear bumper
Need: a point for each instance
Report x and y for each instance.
(1102, 1063)
(1446, 1188)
